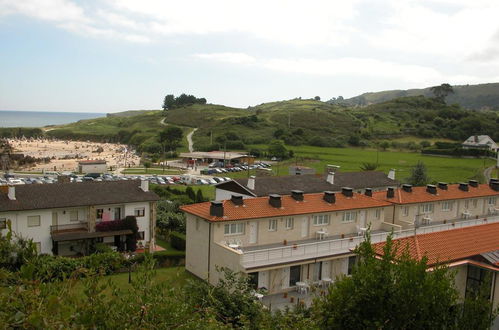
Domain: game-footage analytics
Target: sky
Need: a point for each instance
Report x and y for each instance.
(116, 55)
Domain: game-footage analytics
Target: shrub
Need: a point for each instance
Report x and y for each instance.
(177, 240)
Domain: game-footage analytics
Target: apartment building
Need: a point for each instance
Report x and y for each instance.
(286, 241)
(65, 218)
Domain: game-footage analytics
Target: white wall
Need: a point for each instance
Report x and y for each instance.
(221, 194)
(93, 168)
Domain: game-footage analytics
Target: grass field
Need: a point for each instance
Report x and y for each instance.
(350, 159)
(208, 190)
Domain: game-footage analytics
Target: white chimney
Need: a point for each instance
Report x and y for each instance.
(144, 185)
(391, 174)
(12, 193)
(330, 177)
(251, 182)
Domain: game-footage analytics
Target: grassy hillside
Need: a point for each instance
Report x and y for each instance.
(477, 97)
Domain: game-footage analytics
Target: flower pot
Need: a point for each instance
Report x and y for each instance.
(295, 246)
(342, 235)
(445, 221)
(285, 242)
(285, 295)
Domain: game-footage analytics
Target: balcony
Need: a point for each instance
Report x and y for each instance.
(266, 255)
(80, 226)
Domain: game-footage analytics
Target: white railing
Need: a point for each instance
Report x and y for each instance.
(322, 248)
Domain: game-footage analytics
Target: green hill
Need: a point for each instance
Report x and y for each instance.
(476, 97)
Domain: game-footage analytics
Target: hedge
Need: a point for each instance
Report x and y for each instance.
(177, 240)
(456, 152)
(164, 258)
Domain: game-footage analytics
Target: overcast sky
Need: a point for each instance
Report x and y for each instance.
(115, 55)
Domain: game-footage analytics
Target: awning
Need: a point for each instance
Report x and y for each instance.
(76, 235)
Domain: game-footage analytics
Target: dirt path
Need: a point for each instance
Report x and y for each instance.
(488, 173)
(189, 140)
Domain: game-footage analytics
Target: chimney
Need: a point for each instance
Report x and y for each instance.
(347, 192)
(463, 186)
(390, 192)
(494, 184)
(237, 200)
(407, 187)
(275, 200)
(329, 197)
(12, 193)
(251, 182)
(144, 185)
(369, 192)
(330, 177)
(391, 174)
(431, 188)
(442, 185)
(217, 209)
(297, 195)
(473, 183)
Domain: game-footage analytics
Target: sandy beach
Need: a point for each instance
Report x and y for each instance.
(65, 154)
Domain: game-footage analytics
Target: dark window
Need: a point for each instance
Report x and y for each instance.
(100, 212)
(478, 277)
(294, 275)
(253, 279)
(141, 235)
(351, 262)
(140, 212)
(3, 223)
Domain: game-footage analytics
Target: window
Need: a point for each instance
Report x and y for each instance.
(234, 229)
(447, 206)
(377, 214)
(475, 203)
(73, 215)
(139, 212)
(33, 220)
(349, 216)
(100, 212)
(427, 208)
(294, 275)
(321, 219)
(290, 222)
(141, 235)
(38, 247)
(272, 224)
(477, 277)
(3, 223)
(197, 223)
(405, 211)
(492, 201)
(466, 204)
(351, 262)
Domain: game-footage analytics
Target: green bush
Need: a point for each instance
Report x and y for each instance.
(164, 258)
(177, 240)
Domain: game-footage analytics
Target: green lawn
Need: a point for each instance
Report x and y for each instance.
(208, 190)
(350, 159)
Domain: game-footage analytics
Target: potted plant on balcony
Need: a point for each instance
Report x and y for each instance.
(285, 242)
(342, 235)
(295, 246)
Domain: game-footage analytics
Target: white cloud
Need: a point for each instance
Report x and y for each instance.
(416, 75)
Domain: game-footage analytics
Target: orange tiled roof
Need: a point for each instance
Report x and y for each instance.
(420, 195)
(449, 245)
(260, 208)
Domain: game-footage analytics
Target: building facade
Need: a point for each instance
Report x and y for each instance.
(68, 218)
(92, 166)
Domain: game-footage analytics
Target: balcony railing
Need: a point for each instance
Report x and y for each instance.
(77, 226)
(256, 257)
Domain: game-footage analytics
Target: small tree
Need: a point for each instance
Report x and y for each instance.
(418, 175)
(317, 98)
(170, 139)
(278, 150)
(190, 193)
(384, 145)
(147, 165)
(369, 166)
(441, 92)
(199, 196)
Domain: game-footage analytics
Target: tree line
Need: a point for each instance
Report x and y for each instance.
(172, 102)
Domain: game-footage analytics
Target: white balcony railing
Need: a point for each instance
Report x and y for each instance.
(321, 248)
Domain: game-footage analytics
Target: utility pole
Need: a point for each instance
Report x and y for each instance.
(289, 119)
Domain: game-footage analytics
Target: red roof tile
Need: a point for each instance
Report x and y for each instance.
(449, 245)
(420, 195)
(260, 208)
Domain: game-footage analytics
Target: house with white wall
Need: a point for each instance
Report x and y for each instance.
(480, 142)
(283, 241)
(64, 218)
(92, 166)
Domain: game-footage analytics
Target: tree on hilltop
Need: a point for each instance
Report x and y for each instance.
(441, 92)
(171, 102)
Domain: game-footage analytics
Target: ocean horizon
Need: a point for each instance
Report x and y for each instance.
(11, 118)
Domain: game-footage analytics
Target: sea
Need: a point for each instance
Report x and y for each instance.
(10, 118)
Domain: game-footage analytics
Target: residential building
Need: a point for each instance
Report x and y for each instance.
(284, 242)
(64, 218)
(480, 142)
(309, 183)
(472, 252)
(92, 166)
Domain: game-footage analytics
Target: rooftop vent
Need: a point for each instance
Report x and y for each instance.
(473, 183)
(431, 188)
(251, 182)
(144, 185)
(390, 192)
(442, 185)
(368, 192)
(329, 197)
(494, 184)
(275, 200)
(217, 209)
(463, 186)
(407, 187)
(297, 195)
(391, 174)
(347, 192)
(237, 200)
(12, 193)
